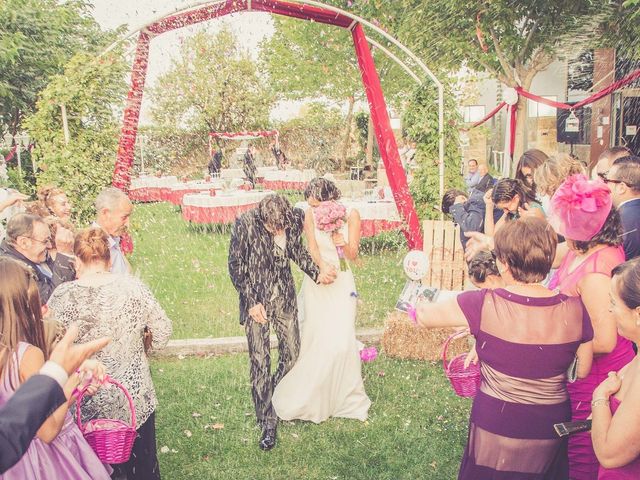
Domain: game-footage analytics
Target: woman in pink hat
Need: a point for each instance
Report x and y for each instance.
(581, 210)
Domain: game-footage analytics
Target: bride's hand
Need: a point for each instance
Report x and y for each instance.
(338, 239)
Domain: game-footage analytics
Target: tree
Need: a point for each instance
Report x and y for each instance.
(314, 60)
(90, 88)
(213, 86)
(420, 121)
(512, 41)
(309, 138)
(37, 38)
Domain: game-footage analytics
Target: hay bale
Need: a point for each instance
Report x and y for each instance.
(402, 339)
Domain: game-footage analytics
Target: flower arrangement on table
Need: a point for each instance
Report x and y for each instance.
(330, 217)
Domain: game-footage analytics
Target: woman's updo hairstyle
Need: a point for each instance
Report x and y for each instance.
(628, 275)
(322, 190)
(47, 193)
(506, 189)
(92, 245)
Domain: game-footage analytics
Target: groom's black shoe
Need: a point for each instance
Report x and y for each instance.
(268, 440)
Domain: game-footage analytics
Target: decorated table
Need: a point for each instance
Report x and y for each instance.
(177, 192)
(151, 189)
(376, 216)
(223, 208)
(287, 179)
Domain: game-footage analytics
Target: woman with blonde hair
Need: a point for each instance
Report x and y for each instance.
(55, 202)
(555, 170)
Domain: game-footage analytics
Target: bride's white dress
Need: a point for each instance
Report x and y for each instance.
(326, 381)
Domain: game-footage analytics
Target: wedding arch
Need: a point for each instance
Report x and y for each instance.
(305, 10)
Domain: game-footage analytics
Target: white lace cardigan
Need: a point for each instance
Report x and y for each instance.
(120, 309)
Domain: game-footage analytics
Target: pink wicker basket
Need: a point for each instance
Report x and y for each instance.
(465, 382)
(112, 440)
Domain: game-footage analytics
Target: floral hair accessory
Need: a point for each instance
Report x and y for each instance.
(580, 207)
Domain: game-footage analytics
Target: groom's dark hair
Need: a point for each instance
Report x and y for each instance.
(275, 212)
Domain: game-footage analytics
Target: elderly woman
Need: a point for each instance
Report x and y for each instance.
(581, 210)
(525, 352)
(123, 308)
(615, 407)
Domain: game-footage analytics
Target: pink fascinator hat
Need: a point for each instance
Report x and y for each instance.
(580, 207)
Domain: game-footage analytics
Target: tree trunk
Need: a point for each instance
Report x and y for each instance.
(522, 115)
(369, 151)
(347, 136)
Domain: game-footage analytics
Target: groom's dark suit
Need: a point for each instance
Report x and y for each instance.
(261, 273)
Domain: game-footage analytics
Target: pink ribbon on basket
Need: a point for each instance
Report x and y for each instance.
(412, 313)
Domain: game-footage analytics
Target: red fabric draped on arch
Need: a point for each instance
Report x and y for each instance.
(552, 103)
(377, 105)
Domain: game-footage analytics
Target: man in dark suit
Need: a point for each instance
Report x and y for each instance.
(249, 165)
(263, 242)
(40, 396)
(467, 211)
(28, 240)
(623, 179)
(486, 180)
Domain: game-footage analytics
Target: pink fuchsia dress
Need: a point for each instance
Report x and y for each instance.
(524, 355)
(630, 471)
(583, 464)
(67, 457)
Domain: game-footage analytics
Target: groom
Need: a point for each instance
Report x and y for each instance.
(263, 242)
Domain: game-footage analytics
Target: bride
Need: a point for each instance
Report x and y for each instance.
(326, 380)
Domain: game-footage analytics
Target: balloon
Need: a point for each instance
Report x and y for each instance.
(416, 264)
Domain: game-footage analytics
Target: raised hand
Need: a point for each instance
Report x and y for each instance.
(70, 356)
(478, 242)
(488, 199)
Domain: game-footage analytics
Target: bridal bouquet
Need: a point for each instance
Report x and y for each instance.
(330, 217)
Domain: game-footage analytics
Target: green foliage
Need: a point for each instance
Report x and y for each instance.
(89, 88)
(308, 59)
(420, 122)
(37, 38)
(310, 141)
(212, 86)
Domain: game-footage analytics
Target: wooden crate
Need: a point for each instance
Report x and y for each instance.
(448, 269)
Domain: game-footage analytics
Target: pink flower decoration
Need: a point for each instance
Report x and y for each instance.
(368, 354)
(580, 207)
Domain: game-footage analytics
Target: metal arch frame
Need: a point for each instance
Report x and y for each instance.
(356, 19)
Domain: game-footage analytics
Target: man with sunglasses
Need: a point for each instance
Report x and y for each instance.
(28, 240)
(623, 179)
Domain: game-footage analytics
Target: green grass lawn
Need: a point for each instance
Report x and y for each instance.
(205, 420)
(186, 268)
(416, 427)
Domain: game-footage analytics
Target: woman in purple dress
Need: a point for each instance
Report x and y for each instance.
(524, 352)
(59, 450)
(615, 407)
